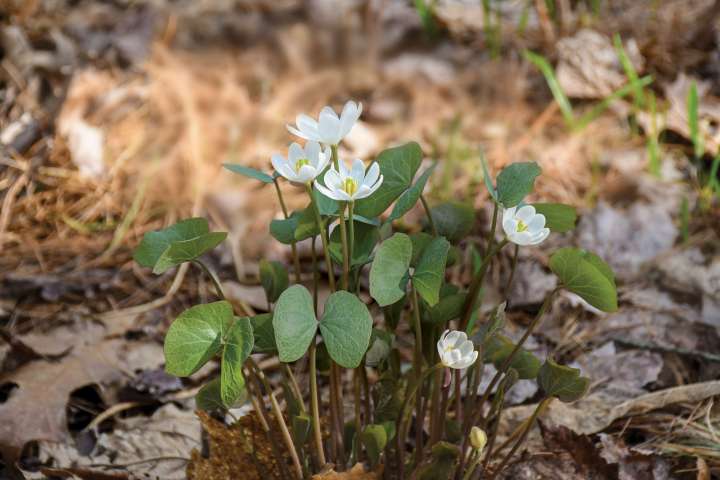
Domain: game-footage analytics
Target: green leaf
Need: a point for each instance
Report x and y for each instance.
(515, 181)
(248, 172)
(187, 250)
(398, 166)
(448, 308)
(236, 349)
(346, 326)
(388, 269)
(495, 324)
(410, 197)
(209, 400)
(158, 250)
(374, 438)
(294, 323)
(498, 349)
(562, 382)
(380, 347)
(559, 217)
(366, 237)
(487, 178)
(301, 426)
(430, 271)
(453, 220)
(307, 225)
(264, 333)
(419, 240)
(587, 275)
(326, 205)
(283, 230)
(196, 336)
(274, 279)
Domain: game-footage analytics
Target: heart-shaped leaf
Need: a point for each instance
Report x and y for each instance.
(264, 333)
(237, 347)
(196, 336)
(398, 166)
(248, 172)
(182, 242)
(294, 323)
(498, 349)
(587, 275)
(380, 347)
(274, 279)
(388, 269)
(448, 308)
(430, 271)
(366, 237)
(515, 181)
(419, 240)
(374, 438)
(307, 225)
(346, 326)
(209, 400)
(559, 217)
(410, 197)
(283, 230)
(453, 220)
(564, 383)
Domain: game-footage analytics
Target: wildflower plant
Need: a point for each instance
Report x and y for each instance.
(425, 417)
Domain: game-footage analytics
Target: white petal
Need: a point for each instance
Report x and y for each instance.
(452, 338)
(326, 191)
(525, 213)
(466, 348)
(327, 110)
(536, 223)
(306, 173)
(376, 186)
(521, 238)
(540, 236)
(349, 116)
(295, 153)
(467, 361)
(344, 172)
(312, 153)
(277, 161)
(372, 174)
(358, 171)
(509, 226)
(300, 134)
(306, 124)
(444, 335)
(362, 192)
(323, 159)
(440, 347)
(332, 180)
(329, 128)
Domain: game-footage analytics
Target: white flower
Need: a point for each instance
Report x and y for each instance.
(455, 350)
(302, 164)
(329, 129)
(350, 185)
(523, 226)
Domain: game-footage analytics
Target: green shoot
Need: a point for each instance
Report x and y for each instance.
(694, 123)
(653, 146)
(549, 73)
(630, 72)
(426, 12)
(601, 106)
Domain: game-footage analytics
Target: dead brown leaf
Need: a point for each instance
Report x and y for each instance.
(355, 473)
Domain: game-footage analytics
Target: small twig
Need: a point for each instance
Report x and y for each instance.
(628, 342)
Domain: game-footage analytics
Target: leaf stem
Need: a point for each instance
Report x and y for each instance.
(417, 367)
(335, 157)
(314, 405)
(512, 271)
(345, 252)
(429, 215)
(209, 273)
(477, 281)
(293, 245)
(538, 410)
(323, 237)
(280, 419)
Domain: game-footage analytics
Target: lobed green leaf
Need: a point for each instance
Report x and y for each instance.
(346, 326)
(587, 275)
(294, 323)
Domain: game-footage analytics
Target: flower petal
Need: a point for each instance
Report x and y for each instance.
(306, 174)
(349, 116)
(372, 174)
(536, 223)
(295, 153)
(326, 191)
(525, 213)
(300, 134)
(306, 124)
(312, 153)
(521, 238)
(362, 192)
(329, 128)
(540, 236)
(358, 171)
(277, 161)
(332, 180)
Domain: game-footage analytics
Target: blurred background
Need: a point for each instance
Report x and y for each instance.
(116, 117)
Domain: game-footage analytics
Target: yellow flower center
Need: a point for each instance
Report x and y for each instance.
(350, 186)
(301, 163)
(521, 226)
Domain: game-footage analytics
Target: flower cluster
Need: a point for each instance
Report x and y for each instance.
(305, 165)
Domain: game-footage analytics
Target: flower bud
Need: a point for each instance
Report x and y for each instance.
(478, 438)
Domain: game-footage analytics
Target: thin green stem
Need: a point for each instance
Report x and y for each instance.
(351, 231)
(345, 252)
(538, 410)
(315, 405)
(417, 366)
(429, 215)
(289, 444)
(293, 245)
(209, 273)
(473, 465)
(335, 158)
(294, 387)
(508, 285)
(323, 237)
(476, 285)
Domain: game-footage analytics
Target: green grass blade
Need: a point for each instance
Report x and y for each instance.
(693, 121)
(653, 145)
(547, 70)
(601, 106)
(630, 72)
